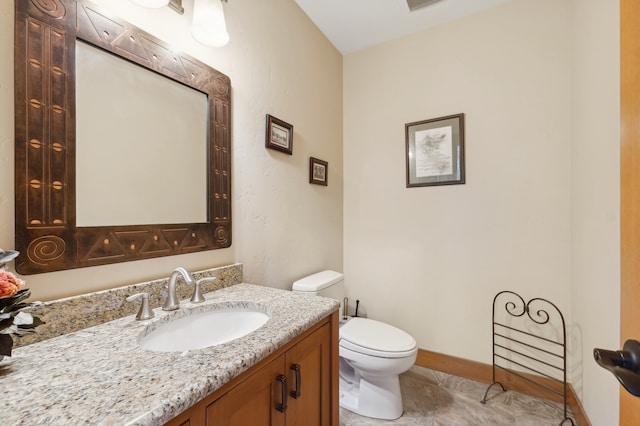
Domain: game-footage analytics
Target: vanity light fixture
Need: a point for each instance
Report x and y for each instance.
(151, 4)
(208, 26)
(176, 5)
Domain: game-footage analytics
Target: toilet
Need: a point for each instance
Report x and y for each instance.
(372, 354)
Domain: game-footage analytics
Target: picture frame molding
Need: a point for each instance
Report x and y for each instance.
(440, 158)
(275, 130)
(314, 165)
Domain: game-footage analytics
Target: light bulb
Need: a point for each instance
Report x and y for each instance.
(209, 27)
(151, 4)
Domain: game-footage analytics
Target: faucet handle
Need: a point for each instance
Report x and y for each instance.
(145, 311)
(197, 296)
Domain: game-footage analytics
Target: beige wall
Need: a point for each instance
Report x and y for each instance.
(537, 80)
(424, 257)
(595, 200)
(539, 212)
(283, 227)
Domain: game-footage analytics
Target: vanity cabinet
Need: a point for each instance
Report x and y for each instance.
(296, 385)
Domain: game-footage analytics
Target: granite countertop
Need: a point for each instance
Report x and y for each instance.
(99, 375)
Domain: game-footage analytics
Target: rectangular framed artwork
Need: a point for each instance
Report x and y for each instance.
(318, 171)
(279, 135)
(435, 151)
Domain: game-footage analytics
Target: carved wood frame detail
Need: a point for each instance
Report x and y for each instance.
(46, 232)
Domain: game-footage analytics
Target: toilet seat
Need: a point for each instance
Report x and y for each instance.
(372, 354)
(375, 338)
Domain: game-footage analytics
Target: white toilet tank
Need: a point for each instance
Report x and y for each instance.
(326, 284)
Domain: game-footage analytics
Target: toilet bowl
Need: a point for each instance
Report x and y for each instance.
(372, 355)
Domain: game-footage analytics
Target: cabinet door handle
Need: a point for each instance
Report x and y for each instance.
(282, 407)
(296, 392)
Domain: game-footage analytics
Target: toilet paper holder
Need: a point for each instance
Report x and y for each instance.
(624, 364)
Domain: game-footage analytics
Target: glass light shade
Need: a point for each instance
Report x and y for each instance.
(151, 4)
(209, 27)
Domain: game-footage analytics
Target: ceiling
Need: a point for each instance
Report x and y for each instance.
(353, 25)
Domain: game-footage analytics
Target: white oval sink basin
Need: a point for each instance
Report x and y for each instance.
(203, 329)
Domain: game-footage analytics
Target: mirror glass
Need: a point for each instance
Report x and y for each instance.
(141, 141)
(97, 182)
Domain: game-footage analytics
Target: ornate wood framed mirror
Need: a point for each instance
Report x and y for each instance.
(47, 233)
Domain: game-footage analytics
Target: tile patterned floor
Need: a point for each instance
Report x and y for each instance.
(432, 398)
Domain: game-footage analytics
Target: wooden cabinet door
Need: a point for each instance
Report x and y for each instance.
(191, 417)
(309, 376)
(305, 378)
(254, 402)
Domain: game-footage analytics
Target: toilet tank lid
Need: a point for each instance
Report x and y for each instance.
(317, 281)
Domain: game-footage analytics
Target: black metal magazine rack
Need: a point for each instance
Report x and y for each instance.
(529, 343)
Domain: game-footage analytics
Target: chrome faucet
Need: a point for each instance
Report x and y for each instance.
(172, 303)
(145, 311)
(197, 296)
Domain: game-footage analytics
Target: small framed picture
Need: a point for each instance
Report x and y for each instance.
(279, 135)
(318, 171)
(435, 151)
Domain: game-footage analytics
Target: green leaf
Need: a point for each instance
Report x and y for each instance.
(19, 306)
(36, 322)
(6, 344)
(5, 301)
(5, 323)
(8, 304)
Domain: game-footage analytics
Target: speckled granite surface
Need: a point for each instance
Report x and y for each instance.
(64, 316)
(99, 376)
